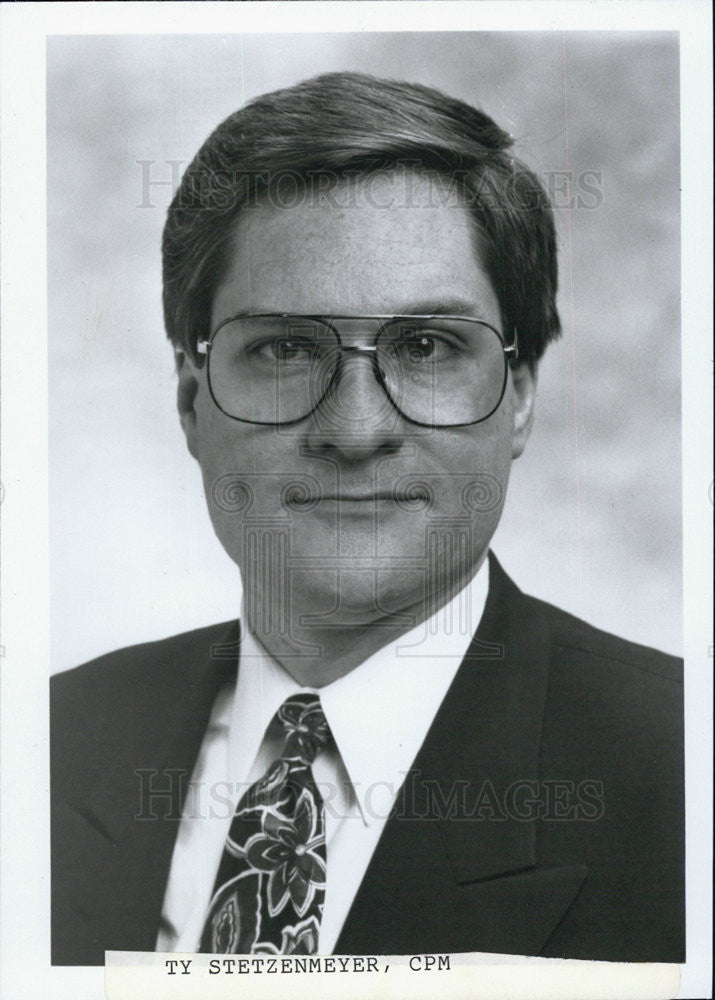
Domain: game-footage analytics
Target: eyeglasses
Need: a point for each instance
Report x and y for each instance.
(436, 371)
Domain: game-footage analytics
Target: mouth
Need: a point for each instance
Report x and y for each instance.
(356, 500)
(387, 496)
(407, 496)
(358, 497)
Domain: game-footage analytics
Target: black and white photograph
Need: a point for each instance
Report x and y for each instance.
(367, 553)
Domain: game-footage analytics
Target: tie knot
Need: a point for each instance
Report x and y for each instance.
(305, 726)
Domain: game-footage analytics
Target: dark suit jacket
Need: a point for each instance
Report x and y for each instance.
(543, 814)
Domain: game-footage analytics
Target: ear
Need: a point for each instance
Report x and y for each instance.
(188, 386)
(523, 379)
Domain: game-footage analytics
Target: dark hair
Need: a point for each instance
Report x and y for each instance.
(338, 126)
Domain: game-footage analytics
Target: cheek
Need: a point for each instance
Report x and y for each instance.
(245, 471)
(224, 445)
(221, 455)
(479, 450)
(474, 465)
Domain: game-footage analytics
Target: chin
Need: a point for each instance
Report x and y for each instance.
(362, 597)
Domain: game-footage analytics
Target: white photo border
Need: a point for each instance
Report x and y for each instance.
(24, 830)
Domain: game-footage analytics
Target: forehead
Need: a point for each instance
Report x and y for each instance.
(385, 243)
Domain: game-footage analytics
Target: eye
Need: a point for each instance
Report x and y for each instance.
(419, 346)
(294, 350)
(285, 350)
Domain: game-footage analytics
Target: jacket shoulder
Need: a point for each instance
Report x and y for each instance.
(136, 669)
(127, 703)
(573, 637)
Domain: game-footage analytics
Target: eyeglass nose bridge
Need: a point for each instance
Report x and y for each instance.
(327, 402)
(354, 349)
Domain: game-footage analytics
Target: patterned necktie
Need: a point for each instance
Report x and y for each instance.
(270, 888)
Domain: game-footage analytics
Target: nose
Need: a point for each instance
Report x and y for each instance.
(356, 418)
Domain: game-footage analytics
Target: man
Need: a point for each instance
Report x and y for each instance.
(395, 751)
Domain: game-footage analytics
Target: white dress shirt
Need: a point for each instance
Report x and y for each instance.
(379, 715)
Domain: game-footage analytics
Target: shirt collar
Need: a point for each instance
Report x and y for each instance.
(261, 688)
(380, 712)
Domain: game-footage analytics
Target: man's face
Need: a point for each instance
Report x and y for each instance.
(364, 529)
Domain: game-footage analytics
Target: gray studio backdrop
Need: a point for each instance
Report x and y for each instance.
(592, 522)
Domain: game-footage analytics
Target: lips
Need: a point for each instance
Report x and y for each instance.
(301, 498)
(406, 501)
(358, 497)
(372, 497)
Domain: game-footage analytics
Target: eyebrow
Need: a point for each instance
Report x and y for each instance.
(440, 307)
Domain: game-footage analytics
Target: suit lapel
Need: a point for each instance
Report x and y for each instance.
(456, 866)
(127, 824)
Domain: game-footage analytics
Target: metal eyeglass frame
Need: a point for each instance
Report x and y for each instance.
(511, 354)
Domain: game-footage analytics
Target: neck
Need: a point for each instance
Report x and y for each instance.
(318, 649)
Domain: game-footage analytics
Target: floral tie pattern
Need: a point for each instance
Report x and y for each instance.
(270, 888)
